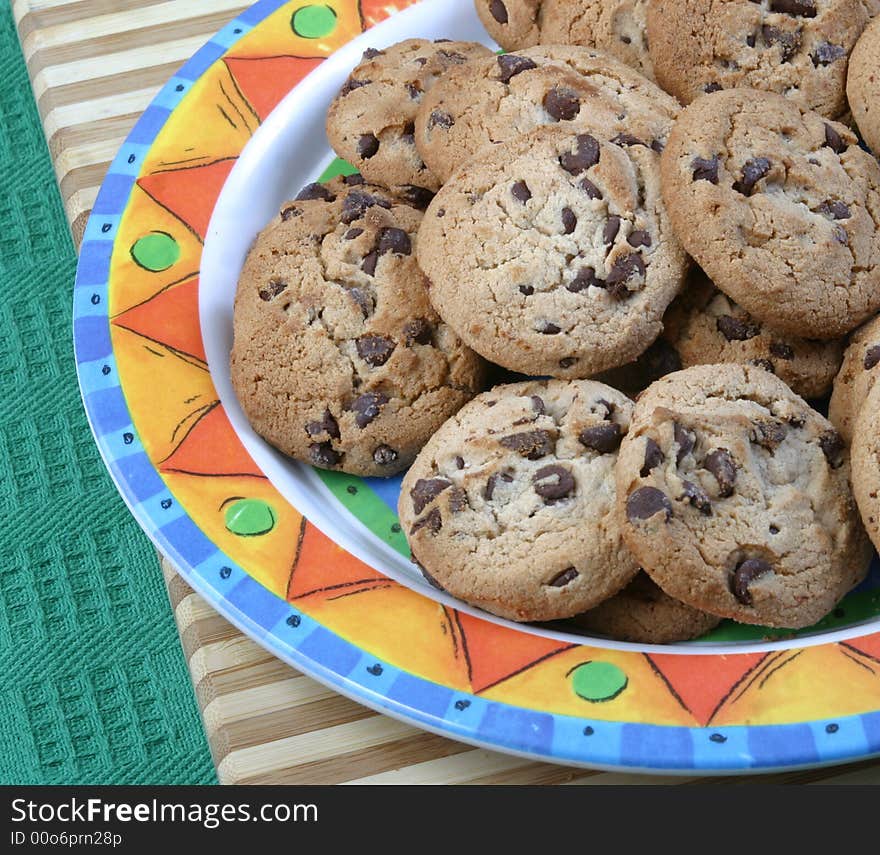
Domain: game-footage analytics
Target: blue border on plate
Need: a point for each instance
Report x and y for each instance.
(307, 644)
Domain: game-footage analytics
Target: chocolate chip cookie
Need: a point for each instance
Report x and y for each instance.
(644, 614)
(796, 48)
(705, 326)
(553, 254)
(371, 121)
(339, 359)
(496, 99)
(857, 376)
(862, 88)
(735, 497)
(780, 207)
(510, 505)
(866, 464)
(617, 27)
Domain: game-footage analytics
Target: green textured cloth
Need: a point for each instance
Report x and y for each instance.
(94, 688)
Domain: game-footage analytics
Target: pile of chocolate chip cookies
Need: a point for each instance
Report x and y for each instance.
(662, 209)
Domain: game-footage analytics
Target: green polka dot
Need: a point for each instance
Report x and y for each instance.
(597, 681)
(155, 251)
(313, 22)
(250, 517)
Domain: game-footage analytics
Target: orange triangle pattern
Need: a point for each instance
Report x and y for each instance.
(191, 193)
(322, 566)
(702, 689)
(170, 318)
(867, 644)
(374, 11)
(211, 447)
(495, 652)
(264, 81)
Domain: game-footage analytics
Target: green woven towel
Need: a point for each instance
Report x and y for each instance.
(94, 685)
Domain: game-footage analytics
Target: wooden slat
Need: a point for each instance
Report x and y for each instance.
(95, 65)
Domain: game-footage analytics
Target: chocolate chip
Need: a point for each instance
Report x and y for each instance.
(744, 575)
(789, 41)
(425, 490)
(796, 421)
(766, 364)
(315, 191)
(385, 455)
(569, 221)
(585, 278)
(367, 407)
(705, 170)
(612, 227)
(658, 146)
(414, 91)
(511, 65)
(395, 241)
(562, 103)
(351, 234)
(717, 87)
(639, 238)
(371, 53)
(590, 189)
(362, 299)
(736, 329)
(492, 483)
(685, 439)
(752, 172)
(751, 39)
(645, 502)
(367, 146)
(832, 445)
(538, 404)
(653, 457)
(834, 140)
(322, 454)
(533, 444)
(418, 197)
(804, 8)
(768, 433)
(353, 180)
(872, 357)
(439, 119)
(409, 134)
(567, 361)
(563, 578)
(526, 290)
(625, 269)
(273, 288)
(781, 350)
(356, 204)
(375, 350)
(697, 497)
(840, 235)
(603, 438)
(432, 521)
(351, 84)
(327, 425)
(498, 11)
(585, 155)
(369, 263)
(628, 140)
(290, 212)
(417, 332)
(836, 210)
(826, 53)
(459, 462)
(549, 328)
(553, 483)
(520, 191)
(721, 464)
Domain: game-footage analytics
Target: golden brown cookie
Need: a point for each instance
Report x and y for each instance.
(863, 85)
(857, 376)
(866, 464)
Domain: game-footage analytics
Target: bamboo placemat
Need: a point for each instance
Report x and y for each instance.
(95, 65)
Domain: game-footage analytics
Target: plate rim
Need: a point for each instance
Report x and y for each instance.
(620, 746)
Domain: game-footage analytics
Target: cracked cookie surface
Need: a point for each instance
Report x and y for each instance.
(339, 359)
(644, 614)
(371, 121)
(510, 505)
(780, 207)
(856, 378)
(705, 326)
(866, 464)
(496, 99)
(617, 27)
(553, 254)
(735, 497)
(796, 48)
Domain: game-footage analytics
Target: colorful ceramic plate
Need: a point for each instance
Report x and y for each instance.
(312, 564)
